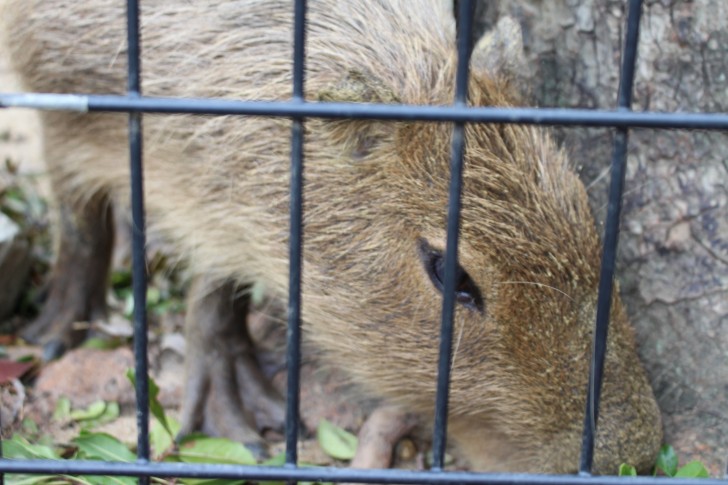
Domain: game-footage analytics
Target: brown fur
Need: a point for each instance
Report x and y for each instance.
(217, 187)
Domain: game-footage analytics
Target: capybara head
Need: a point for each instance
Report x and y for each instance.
(527, 279)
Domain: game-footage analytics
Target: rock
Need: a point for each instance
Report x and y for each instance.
(87, 375)
(12, 399)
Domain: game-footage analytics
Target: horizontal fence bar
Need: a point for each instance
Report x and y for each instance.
(531, 116)
(323, 474)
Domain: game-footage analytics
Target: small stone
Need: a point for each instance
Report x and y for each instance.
(634, 227)
(406, 450)
(678, 236)
(12, 399)
(174, 342)
(87, 375)
(115, 326)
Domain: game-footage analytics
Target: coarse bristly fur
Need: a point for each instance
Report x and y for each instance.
(217, 189)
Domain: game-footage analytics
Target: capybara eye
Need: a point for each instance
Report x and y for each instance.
(466, 291)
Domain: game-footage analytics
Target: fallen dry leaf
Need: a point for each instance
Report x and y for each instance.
(9, 369)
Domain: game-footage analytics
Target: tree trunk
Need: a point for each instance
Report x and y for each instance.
(673, 250)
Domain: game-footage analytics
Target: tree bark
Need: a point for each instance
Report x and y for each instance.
(673, 249)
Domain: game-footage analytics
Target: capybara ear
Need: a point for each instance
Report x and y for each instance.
(500, 51)
(358, 138)
(358, 87)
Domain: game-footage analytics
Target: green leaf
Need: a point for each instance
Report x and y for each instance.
(694, 469)
(278, 483)
(129, 305)
(102, 480)
(19, 448)
(336, 442)
(102, 446)
(215, 481)
(121, 279)
(154, 406)
(215, 450)
(153, 296)
(94, 411)
(46, 440)
(29, 427)
(160, 439)
(257, 293)
(103, 343)
(278, 460)
(667, 460)
(447, 459)
(83, 480)
(626, 470)
(63, 409)
(157, 410)
(30, 479)
(110, 414)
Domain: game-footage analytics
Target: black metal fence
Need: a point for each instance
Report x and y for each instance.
(297, 109)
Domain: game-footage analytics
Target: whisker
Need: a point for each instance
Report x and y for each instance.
(457, 346)
(597, 179)
(535, 283)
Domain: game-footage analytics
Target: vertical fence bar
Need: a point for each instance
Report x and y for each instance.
(2, 474)
(293, 349)
(439, 441)
(611, 238)
(139, 269)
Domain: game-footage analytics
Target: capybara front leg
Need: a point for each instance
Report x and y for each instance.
(227, 394)
(79, 279)
(379, 434)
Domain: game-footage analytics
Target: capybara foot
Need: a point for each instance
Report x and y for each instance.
(380, 434)
(79, 279)
(227, 394)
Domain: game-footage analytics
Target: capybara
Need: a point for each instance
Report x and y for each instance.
(217, 191)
